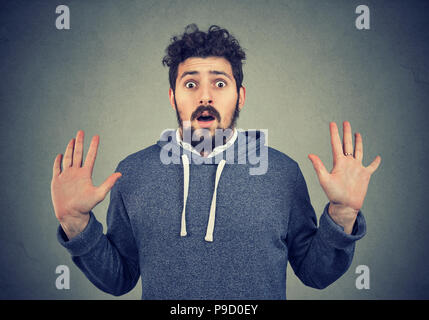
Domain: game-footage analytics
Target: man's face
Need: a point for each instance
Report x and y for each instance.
(206, 94)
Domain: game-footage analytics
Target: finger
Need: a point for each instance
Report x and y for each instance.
(374, 165)
(358, 147)
(78, 149)
(337, 149)
(347, 138)
(318, 166)
(56, 170)
(67, 160)
(92, 153)
(108, 184)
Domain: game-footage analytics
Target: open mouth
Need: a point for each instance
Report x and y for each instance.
(205, 118)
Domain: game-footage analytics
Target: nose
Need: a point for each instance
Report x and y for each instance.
(206, 97)
(206, 101)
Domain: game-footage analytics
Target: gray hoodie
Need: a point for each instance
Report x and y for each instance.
(211, 228)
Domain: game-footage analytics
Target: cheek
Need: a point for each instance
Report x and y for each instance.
(184, 106)
(226, 106)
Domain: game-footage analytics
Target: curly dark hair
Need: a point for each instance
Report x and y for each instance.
(195, 43)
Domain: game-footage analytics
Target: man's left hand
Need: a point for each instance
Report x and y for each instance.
(346, 185)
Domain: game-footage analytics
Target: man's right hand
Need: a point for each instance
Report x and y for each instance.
(72, 191)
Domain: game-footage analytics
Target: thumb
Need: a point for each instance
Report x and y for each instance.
(318, 165)
(108, 184)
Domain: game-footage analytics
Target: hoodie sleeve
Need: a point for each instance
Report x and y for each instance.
(109, 261)
(318, 255)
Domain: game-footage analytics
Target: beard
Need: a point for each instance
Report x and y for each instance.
(217, 138)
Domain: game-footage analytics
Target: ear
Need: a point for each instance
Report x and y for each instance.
(242, 97)
(171, 96)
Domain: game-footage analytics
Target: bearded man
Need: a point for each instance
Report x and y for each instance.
(204, 226)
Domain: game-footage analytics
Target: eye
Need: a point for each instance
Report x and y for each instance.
(190, 85)
(220, 84)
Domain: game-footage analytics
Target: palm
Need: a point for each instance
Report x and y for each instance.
(72, 190)
(347, 183)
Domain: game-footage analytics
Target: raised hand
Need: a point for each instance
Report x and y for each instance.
(346, 185)
(73, 193)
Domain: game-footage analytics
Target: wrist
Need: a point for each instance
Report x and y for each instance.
(343, 215)
(73, 226)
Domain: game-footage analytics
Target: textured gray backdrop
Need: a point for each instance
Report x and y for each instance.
(307, 65)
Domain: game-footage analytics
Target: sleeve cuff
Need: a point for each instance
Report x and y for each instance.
(334, 234)
(84, 241)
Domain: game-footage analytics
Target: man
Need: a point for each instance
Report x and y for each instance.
(200, 225)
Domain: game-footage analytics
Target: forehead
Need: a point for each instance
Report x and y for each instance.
(204, 65)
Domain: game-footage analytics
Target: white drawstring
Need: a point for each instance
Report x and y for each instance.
(185, 192)
(210, 225)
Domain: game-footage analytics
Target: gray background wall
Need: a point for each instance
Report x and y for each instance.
(307, 65)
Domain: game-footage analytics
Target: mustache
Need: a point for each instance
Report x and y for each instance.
(203, 108)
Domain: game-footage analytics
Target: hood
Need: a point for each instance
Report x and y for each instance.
(248, 144)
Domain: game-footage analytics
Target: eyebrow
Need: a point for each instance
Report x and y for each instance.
(211, 72)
